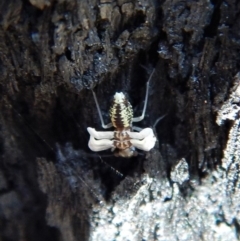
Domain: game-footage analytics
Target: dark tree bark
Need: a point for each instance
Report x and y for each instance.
(52, 187)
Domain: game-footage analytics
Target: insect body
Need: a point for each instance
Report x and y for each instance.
(121, 112)
(123, 141)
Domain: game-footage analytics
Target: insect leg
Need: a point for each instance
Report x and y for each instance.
(100, 113)
(136, 128)
(148, 141)
(146, 132)
(137, 119)
(100, 145)
(100, 134)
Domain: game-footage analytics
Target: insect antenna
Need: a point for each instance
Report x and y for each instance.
(112, 168)
(69, 164)
(63, 161)
(139, 118)
(33, 130)
(97, 197)
(100, 113)
(144, 67)
(158, 120)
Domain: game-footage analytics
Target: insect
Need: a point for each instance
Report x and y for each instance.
(123, 141)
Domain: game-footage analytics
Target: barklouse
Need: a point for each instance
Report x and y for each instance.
(123, 140)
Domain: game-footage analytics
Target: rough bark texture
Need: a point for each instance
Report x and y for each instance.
(52, 52)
